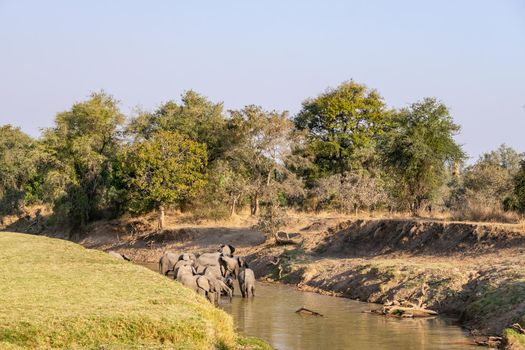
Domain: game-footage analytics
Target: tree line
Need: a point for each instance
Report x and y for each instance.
(346, 150)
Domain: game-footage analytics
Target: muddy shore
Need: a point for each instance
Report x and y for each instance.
(472, 271)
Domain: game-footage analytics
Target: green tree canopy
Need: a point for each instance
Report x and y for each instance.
(79, 154)
(18, 165)
(504, 157)
(163, 170)
(341, 126)
(516, 201)
(195, 117)
(262, 142)
(417, 149)
(490, 180)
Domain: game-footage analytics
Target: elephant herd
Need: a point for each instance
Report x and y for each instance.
(210, 274)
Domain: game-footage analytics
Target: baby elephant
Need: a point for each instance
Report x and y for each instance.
(247, 282)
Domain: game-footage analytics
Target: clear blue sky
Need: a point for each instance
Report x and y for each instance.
(469, 54)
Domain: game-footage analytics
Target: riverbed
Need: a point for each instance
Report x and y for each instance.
(345, 323)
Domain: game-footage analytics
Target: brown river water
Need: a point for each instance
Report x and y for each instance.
(345, 325)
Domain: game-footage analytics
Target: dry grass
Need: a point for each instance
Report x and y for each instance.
(473, 216)
(484, 213)
(56, 294)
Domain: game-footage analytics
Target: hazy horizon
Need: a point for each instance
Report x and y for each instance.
(469, 55)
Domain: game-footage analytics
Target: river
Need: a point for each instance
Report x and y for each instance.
(271, 316)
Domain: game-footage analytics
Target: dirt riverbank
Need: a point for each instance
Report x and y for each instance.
(473, 271)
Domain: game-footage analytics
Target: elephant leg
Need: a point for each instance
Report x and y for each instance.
(229, 292)
(211, 297)
(253, 291)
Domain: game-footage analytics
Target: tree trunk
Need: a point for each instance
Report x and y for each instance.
(234, 203)
(255, 204)
(161, 217)
(269, 177)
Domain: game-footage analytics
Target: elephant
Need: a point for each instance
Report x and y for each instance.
(187, 257)
(247, 282)
(212, 271)
(230, 265)
(224, 289)
(200, 269)
(184, 270)
(205, 286)
(229, 283)
(208, 259)
(226, 250)
(189, 280)
(242, 261)
(119, 256)
(126, 257)
(183, 263)
(211, 288)
(167, 262)
(225, 283)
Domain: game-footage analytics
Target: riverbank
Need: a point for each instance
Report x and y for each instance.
(56, 294)
(472, 271)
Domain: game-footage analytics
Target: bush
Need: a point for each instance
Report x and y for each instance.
(272, 219)
(484, 212)
(349, 192)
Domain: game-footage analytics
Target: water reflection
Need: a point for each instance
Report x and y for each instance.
(271, 316)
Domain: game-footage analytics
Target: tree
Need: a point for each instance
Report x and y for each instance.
(18, 166)
(161, 171)
(516, 201)
(349, 192)
(485, 187)
(263, 141)
(504, 157)
(342, 125)
(223, 193)
(417, 149)
(79, 152)
(196, 117)
(272, 220)
(490, 180)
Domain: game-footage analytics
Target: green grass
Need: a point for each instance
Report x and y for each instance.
(513, 337)
(55, 294)
(498, 298)
(254, 344)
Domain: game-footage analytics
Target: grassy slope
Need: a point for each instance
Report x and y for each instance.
(56, 294)
(514, 340)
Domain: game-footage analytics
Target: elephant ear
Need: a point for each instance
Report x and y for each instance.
(203, 283)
